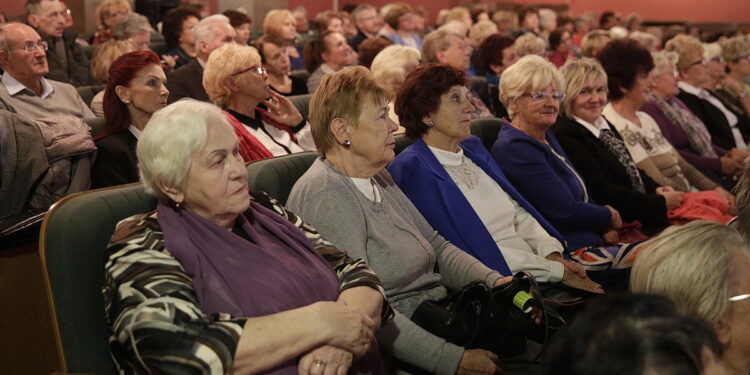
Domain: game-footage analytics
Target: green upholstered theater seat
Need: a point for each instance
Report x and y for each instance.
(277, 176)
(401, 143)
(74, 235)
(302, 102)
(486, 129)
(87, 93)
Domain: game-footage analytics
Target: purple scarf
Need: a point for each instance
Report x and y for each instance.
(277, 270)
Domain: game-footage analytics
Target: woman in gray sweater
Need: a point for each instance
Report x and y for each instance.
(349, 196)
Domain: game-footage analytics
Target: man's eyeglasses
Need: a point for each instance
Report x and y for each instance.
(31, 46)
(699, 62)
(543, 96)
(260, 70)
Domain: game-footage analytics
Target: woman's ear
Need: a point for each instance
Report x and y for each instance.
(173, 193)
(123, 92)
(723, 331)
(231, 84)
(340, 130)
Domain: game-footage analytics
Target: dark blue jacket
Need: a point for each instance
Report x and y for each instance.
(548, 183)
(427, 184)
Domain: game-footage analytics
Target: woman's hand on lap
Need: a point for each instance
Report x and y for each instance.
(478, 362)
(326, 360)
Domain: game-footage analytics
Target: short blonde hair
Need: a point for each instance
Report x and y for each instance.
(530, 44)
(438, 40)
(275, 19)
(735, 48)
(458, 14)
(105, 54)
(530, 73)
(646, 40)
(222, 64)
(593, 41)
(711, 51)
(171, 137)
(577, 74)
(687, 47)
(480, 31)
(389, 66)
(664, 58)
(102, 10)
(692, 264)
(341, 95)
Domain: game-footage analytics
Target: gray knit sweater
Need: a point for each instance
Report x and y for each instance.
(402, 248)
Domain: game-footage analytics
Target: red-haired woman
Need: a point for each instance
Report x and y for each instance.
(135, 90)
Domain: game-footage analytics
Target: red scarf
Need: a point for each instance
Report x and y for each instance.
(250, 147)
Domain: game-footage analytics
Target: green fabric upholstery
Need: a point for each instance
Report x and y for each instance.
(97, 125)
(74, 236)
(302, 102)
(87, 93)
(277, 176)
(401, 143)
(486, 129)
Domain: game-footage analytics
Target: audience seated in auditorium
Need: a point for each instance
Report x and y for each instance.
(532, 159)
(547, 22)
(106, 15)
(328, 20)
(561, 47)
(325, 54)
(311, 307)
(390, 68)
(400, 17)
(593, 41)
(349, 28)
(702, 267)
(136, 89)
(628, 66)
(236, 81)
(67, 61)
(446, 47)
(135, 28)
(104, 55)
(187, 82)
(599, 155)
(349, 196)
(366, 19)
(729, 129)
(640, 334)
(686, 132)
(477, 34)
(178, 28)
(452, 180)
(275, 58)
(528, 20)
(241, 23)
(24, 89)
(531, 44)
(280, 25)
(732, 59)
(498, 53)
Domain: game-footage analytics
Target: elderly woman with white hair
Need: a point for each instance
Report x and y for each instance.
(530, 156)
(235, 80)
(171, 276)
(734, 55)
(702, 267)
(531, 44)
(686, 132)
(390, 67)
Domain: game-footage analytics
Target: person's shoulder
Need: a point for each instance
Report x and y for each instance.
(62, 86)
(186, 71)
(141, 230)
(117, 140)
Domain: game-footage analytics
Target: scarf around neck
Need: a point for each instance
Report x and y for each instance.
(697, 134)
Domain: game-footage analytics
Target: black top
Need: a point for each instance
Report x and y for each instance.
(182, 57)
(299, 87)
(187, 82)
(716, 122)
(490, 95)
(77, 72)
(116, 161)
(607, 181)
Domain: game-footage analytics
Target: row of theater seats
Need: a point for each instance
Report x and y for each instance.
(75, 233)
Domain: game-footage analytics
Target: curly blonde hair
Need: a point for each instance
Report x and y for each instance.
(222, 64)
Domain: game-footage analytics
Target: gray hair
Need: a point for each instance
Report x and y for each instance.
(34, 6)
(361, 8)
(693, 265)
(438, 40)
(132, 24)
(173, 134)
(530, 44)
(204, 31)
(663, 58)
(530, 73)
(389, 66)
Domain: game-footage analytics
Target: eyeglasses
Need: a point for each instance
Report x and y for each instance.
(543, 96)
(747, 57)
(259, 70)
(31, 46)
(718, 59)
(739, 297)
(699, 62)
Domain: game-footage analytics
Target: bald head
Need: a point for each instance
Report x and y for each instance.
(22, 54)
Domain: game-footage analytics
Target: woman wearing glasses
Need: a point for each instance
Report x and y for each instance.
(236, 81)
(529, 154)
(628, 67)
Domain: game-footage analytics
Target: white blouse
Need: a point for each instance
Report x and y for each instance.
(522, 241)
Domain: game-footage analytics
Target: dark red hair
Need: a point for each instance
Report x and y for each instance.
(420, 94)
(121, 72)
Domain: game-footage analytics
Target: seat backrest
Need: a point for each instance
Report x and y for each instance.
(486, 129)
(401, 143)
(74, 236)
(277, 176)
(475, 83)
(302, 102)
(302, 74)
(87, 93)
(97, 125)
